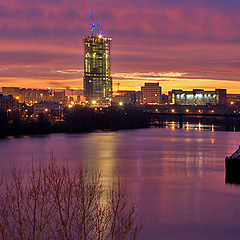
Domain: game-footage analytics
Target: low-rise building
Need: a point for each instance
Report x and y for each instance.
(31, 96)
(127, 98)
(52, 110)
(8, 103)
(233, 98)
(28, 95)
(164, 99)
(60, 97)
(198, 97)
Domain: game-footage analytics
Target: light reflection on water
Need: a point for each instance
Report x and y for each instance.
(192, 126)
(177, 175)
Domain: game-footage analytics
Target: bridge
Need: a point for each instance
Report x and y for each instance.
(219, 114)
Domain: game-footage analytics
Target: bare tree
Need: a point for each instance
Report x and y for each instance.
(52, 202)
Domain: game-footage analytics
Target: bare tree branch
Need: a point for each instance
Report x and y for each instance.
(52, 202)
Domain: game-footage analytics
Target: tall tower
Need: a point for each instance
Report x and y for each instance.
(97, 68)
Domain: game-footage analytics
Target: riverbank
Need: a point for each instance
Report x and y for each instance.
(82, 119)
(78, 120)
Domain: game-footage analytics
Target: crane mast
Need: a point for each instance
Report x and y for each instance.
(99, 30)
(91, 20)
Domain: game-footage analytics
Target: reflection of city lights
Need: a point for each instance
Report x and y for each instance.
(212, 141)
(173, 125)
(212, 128)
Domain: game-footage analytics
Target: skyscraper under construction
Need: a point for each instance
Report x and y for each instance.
(97, 68)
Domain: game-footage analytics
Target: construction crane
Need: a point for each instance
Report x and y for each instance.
(118, 84)
(91, 20)
(99, 30)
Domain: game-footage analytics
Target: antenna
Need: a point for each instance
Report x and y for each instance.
(91, 20)
(99, 30)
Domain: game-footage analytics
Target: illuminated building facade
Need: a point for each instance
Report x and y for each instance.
(53, 110)
(151, 93)
(198, 97)
(27, 95)
(97, 70)
(31, 96)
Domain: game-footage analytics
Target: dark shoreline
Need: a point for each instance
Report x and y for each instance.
(78, 120)
(205, 128)
(87, 120)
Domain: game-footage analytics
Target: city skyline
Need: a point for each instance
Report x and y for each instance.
(178, 44)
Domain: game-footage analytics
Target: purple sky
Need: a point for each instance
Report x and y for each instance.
(180, 43)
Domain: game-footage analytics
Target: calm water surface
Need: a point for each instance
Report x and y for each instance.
(177, 176)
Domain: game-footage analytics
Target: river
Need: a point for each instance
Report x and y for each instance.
(176, 175)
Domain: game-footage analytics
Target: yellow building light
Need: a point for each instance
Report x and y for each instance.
(172, 110)
(120, 103)
(94, 101)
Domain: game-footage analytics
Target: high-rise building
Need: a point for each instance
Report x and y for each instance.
(151, 93)
(97, 68)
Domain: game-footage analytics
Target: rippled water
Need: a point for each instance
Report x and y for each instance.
(177, 175)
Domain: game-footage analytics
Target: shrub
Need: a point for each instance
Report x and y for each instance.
(52, 202)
